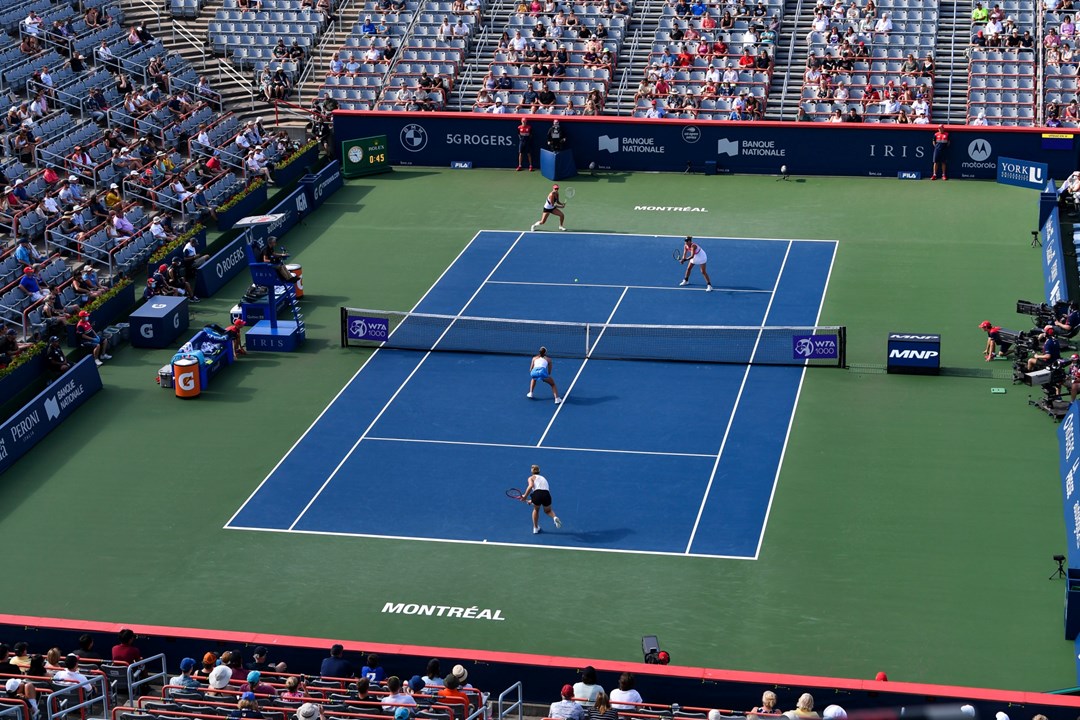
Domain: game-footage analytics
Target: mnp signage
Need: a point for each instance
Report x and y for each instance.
(638, 144)
(1053, 259)
(43, 414)
(221, 268)
(1022, 173)
(914, 353)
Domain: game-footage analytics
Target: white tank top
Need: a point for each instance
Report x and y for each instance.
(539, 362)
(540, 483)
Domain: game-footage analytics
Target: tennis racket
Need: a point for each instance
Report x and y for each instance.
(677, 255)
(570, 193)
(514, 494)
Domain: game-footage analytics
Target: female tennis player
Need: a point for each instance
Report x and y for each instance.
(696, 255)
(540, 369)
(552, 206)
(539, 494)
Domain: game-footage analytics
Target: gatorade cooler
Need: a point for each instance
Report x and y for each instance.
(297, 271)
(186, 377)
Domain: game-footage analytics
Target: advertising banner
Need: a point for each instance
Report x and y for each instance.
(1022, 173)
(1053, 259)
(44, 413)
(629, 144)
(1068, 435)
(222, 267)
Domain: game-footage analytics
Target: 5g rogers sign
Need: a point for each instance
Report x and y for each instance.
(221, 268)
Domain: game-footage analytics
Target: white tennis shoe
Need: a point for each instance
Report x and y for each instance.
(558, 400)
(536, 531)
(558, 523)
(561, 227)
(534, 226)
(528, 395)
(708, 288)
(684, 282)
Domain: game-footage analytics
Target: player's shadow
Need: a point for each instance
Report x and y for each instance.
(599, 537)
(580, 400)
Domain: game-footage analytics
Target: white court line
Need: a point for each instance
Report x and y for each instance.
(738, 399)
(347, 384)
(632, 287)
(405, 382)
(372, 438)
(519, 546)
(582, 367)
(791, 420)
(680, 237)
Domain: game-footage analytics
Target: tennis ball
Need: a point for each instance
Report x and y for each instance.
(575, 279)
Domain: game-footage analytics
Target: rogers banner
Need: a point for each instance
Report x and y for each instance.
(628, 144)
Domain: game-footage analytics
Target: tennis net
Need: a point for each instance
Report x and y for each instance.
(824, 346)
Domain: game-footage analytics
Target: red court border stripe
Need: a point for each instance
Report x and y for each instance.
(938, 692)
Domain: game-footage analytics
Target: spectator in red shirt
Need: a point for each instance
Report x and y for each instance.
(453, 697)
(684, 58)
(125, 651)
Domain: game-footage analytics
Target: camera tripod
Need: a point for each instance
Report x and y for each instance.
(1060, 572)
(1035, 241)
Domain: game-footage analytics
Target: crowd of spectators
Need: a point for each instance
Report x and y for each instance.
(253, 684)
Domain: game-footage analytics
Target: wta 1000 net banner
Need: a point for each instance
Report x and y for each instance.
(1069, 447)
(603, 341)
(628, 144)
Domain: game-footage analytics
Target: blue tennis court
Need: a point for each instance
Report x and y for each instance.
(643, 456)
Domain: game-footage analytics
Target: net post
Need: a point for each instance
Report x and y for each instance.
(841, 336)
(343, 315)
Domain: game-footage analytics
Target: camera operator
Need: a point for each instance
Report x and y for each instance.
(1067, 323)
(995, 347)
(1051, 351)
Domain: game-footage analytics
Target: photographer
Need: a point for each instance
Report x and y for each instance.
(556, 137)
(1051, 351)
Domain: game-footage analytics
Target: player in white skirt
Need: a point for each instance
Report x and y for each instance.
(696, 255)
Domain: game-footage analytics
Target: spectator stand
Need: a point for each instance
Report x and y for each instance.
(1003, 76)
(356, 82)
(578, 86)
(1057, 63)
(893, 33)
(679, 69)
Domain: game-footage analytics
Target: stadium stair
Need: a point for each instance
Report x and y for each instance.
(333, 40)
(478, 61)
(951, 82)
(234, 86)
(634, 57)
(789, 63)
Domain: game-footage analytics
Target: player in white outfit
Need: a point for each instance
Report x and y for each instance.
(696, 255)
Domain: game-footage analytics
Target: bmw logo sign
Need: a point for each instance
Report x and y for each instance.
(414, 138)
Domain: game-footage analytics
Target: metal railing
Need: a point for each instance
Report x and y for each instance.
(1040, 108)
(15, 712)
(79, 698)
(134, 670)
(504, 709)
(790, 58)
